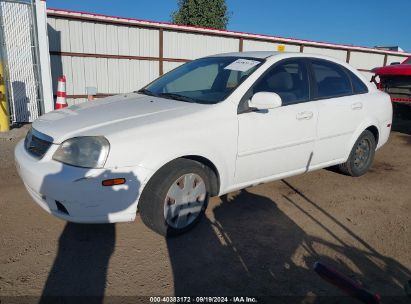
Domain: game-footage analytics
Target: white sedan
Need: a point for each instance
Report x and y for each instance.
(209, 127)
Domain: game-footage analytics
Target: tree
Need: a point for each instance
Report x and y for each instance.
(206, 13)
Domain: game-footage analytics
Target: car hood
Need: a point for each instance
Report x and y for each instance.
(398, 69)
(106, 115)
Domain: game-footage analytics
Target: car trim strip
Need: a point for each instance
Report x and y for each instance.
(251, 152)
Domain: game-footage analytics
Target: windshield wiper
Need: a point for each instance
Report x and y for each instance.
(146, 92)
(177, 97)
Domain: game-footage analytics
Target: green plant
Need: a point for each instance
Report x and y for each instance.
(206, 13)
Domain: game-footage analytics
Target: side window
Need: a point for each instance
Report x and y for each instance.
(288, 79)
(330, 80)
(357, 84)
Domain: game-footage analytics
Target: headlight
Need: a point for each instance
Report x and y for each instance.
(86, 152)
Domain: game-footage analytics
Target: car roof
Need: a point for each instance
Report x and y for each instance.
(255, 54)
(272, 55)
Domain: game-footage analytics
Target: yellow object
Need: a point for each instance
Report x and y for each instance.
(281, 48)
(4, 112)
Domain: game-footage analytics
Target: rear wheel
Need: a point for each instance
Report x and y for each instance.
(175, 199)
(361, 156)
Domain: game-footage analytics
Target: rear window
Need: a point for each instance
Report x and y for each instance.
(330, 80)
(357, 84)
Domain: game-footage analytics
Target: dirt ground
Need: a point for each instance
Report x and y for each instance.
(261, 241)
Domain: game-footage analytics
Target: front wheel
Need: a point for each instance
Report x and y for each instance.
(361, 156)
(175, 199)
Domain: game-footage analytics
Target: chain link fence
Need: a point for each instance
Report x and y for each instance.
(19, 52)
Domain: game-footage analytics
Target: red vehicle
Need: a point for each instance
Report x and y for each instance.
(395, 79)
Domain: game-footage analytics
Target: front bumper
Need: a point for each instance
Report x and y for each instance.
(79, 190)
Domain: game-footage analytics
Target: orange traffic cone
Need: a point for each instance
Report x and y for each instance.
(61, 102)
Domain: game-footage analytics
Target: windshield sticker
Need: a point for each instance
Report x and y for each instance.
(242, 65)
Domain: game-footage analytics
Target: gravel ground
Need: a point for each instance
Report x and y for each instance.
(261, 241)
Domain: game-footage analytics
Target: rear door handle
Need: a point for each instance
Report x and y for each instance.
(304, 115)
(356, 106)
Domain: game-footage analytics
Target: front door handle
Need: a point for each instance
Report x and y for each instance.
(356, 106)
(305, 115)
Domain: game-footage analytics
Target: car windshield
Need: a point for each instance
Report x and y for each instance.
(208, 80)
(408, 61)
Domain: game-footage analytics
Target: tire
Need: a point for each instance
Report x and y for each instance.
(166, 210)
(361, 156)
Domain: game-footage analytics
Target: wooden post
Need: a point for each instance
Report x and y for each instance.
(161, 52)
(348, 56)
(241, 44)
(385, 59)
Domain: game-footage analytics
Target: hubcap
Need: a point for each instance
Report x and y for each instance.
(362, 153)
(184, 200)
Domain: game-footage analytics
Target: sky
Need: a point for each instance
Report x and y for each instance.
(357, 22)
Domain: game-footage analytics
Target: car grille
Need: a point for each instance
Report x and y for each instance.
(35, 146)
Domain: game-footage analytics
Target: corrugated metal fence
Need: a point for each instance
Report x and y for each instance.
(119, 55)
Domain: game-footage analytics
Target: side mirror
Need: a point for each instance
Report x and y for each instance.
(265, 101)
(395, 63)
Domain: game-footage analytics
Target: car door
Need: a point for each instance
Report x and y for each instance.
(341, 110)
(278, 141)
